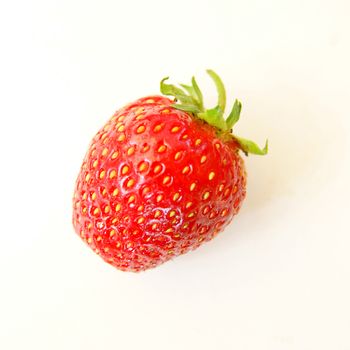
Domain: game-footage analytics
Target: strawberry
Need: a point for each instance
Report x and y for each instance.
(161, 177)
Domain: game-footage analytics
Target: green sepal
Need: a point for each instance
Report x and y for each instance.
(189, 89)
(248, 146)
(186, 108)
(172, 90)
(220, 89)
(214, 117)
(198, 93)
(191, 100)
(233, 118)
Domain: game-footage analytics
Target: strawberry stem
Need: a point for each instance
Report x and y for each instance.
(190, 99)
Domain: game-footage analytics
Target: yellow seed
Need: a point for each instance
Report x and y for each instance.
(89, 225)
(169, 230)
(150, 100)
(112, 233)
(87, 177)
(227, 191)
(165, 111)
(112, 174)
(121, 128)
(188, 204)
(114, 220)
(96, 211)
(118, 244)
(172, 213)
(159, 198)
(190, 215)
(106, 249)
(131, 150)
(140, 117)
(121, 137)
(211, 175)
(154, 226)
(177, 155)
(175, 129)
(99, 238)
(104, 192)
(89, 240)
(131, 199)
(193, 185)
(185, 226)
(143, 166)
(84, 196)
(115, 155)
(140, 220)
(115, 192)
(235, 188)
(176, 196)
(184, 137)
(145, 148)
(157, 214)
(107, 209)
(93, 196)
(118, 207)
(121, 118)
(158, 127)
(224, 212)
(217, 145)
(105, 151)
(212, 214)
(198, 142)
(145, 191)
(140, 129)
(206, 195)
(203, 159)
(84, 210)
(186, 169)
(161, 149)
(102, 174)
(203, 229)
(166, 180)
(125, 169)
(221, 187)
(140, 207)
(94, 164)
(139, 110)
(104, 135)
(157, 169)
(130, 183)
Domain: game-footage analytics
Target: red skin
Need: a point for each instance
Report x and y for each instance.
(138, 204)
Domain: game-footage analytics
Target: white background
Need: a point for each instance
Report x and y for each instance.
(278, 278)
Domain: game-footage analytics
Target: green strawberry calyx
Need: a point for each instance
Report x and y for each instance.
(189, 98)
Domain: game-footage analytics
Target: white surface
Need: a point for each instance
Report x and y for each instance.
(278, 278)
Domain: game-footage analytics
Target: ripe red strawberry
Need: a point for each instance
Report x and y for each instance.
(160, 178)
